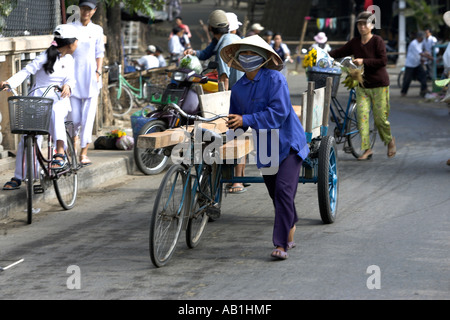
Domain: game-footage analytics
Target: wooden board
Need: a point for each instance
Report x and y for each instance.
(237, 148)
(174, 136)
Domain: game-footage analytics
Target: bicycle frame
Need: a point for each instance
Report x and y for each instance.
(137, 93)
(338, 113)
(45, 163)
(196, 186)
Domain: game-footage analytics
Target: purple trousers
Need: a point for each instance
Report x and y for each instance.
(282, 188)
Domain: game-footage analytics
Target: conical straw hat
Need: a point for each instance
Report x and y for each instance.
(228, 53)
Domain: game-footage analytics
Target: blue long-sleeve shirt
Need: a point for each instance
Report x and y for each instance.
(265, 104)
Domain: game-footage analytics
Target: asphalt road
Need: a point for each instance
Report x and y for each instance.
(390, 241)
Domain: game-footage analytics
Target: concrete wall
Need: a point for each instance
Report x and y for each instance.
(14, 54)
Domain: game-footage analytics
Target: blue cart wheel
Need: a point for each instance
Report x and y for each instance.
(328, 181)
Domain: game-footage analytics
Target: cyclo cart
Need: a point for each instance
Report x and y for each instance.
(191, 191)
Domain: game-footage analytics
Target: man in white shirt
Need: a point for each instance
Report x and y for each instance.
(150, 60)
(428, 42)
(413, 65)
(177, 44)
(88, 69)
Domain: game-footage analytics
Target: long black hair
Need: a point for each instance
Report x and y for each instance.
(53, 52)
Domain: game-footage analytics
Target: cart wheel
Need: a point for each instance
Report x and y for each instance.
(328, 182)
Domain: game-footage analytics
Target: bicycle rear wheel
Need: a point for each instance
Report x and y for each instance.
(29, 145)
(168, 215)
(353, 134)
(151, 161)
(121, 99)
(66, 184)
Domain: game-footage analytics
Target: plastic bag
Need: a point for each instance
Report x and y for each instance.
(125, 143)
(191, 62)
(323, 59)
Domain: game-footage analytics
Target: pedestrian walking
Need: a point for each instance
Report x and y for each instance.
(174, 8)
(413, 65)
(178, 43)
(256, 28)
(234, 23)
(219, 26)
(321, 40)
(268, 36)
(88, 70)
(282, 50)
(369, 50)
(55, 66)
(261, 100)
(185, 27)
(428, 42)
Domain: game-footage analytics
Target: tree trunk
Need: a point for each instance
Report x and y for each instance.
(109, 19)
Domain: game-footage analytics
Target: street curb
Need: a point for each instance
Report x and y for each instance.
(107, 165)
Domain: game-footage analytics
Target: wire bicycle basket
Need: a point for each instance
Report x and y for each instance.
(30, 114)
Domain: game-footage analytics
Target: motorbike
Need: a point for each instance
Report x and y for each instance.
(180, 91)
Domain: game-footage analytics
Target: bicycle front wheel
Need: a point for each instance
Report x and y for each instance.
(353, 134)
(168, 215)
(121, 99)
(197, 216)
(66, 183)
(206, 204)
(29, 145)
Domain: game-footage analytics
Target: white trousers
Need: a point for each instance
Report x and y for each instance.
(83, 117)
(57, 130)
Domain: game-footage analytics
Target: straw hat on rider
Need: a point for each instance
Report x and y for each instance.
(230, 53)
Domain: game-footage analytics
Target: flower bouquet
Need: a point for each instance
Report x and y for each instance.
(310, 59)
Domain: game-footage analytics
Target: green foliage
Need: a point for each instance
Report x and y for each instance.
(425, 15)
(145, 7)
(6, 7)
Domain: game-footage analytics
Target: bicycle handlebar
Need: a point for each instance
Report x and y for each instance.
(14, 92)
(193, 117)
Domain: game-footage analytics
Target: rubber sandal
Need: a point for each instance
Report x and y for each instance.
(229, 185)
(60, 163)
(278, 254)
(236, 188)
(13, 184)
(85, 161)
(291, 245)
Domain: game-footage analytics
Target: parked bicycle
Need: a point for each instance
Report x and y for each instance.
(123, 94)
(190, 193)
(31, 116)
